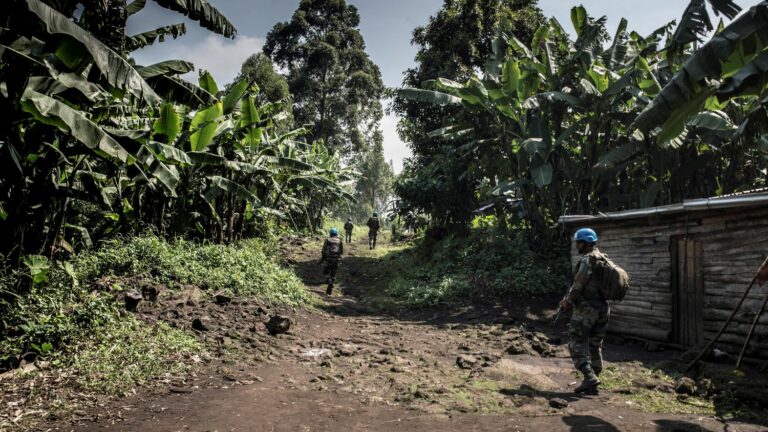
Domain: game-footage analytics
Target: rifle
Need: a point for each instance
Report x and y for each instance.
(557, 315)
(560, 308)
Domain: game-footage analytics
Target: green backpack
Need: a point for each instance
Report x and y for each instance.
(614, 281)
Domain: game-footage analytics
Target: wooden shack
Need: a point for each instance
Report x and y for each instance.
(689, 264)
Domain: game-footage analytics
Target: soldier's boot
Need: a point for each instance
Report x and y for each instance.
(329, 290)
(589, 385)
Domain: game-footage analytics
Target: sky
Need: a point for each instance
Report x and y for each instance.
(386, 26)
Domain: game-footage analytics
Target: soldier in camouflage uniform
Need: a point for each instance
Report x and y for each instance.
(333, 249)
(373, 230)
(591, 312)
(348, 228)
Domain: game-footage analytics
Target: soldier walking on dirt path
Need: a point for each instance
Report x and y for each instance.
(591, 312)
(373, 230)
(333, 249)
(348, 228)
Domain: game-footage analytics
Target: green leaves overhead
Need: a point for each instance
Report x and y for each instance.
(201, 11)
(729, 51)
(142, 40)
(166, 68)
(118, 72)
(696, 23)
(168, 124)
(55, 113)
(205, 127)
(429, 96)
(208, 84)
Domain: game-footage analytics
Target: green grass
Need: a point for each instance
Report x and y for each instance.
(653, 401)
(128, 354)
(248, 268)
(486, 264)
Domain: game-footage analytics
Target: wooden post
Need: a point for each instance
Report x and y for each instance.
(751, 330)
(725, 325)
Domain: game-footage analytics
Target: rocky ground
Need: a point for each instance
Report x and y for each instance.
(343, 365)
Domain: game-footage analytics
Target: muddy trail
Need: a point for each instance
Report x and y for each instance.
(346, 366)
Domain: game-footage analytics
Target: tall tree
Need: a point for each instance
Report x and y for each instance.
(336, 87)
(455, 44)
(258, 69)
(376, 175)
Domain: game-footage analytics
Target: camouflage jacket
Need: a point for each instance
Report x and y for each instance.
(586, 284)
(333, 249)
(373, 224)
(349, 227)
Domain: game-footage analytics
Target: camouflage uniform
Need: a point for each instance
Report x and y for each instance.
(591, 313)
(348, 228)
(373, 231)
(333, 249)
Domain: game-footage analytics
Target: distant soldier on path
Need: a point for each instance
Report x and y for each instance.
(373, 230)
(348, 228)
(591, 312)
(333, 249)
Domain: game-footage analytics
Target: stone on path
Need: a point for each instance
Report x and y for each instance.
(466, 362)
(278, 324)
(558, 403)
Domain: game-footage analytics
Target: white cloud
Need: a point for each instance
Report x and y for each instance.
(394, 148)
(219, 56)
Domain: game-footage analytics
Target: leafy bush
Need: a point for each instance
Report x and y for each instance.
(484, 265)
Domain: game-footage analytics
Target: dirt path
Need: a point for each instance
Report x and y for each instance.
(343, 367)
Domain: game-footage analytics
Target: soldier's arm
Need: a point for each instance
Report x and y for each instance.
(325, 249)
(341, 249)
(579, 281)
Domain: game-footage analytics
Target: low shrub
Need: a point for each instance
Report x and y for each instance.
(484, 265)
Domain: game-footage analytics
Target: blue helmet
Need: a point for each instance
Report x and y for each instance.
(334, 232)
(375, 214)
(586, 235)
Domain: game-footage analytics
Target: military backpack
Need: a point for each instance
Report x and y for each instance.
(614, 282)
(334, 248)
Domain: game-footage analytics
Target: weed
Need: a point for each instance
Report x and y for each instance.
(125, 355)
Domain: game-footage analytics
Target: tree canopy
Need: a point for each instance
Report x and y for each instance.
(336, 87)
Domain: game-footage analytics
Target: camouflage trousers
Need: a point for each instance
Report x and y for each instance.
(587, 330)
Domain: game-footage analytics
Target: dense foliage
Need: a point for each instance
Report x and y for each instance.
(488, 265)
(553, 126)
(93, 145)
(457, 41)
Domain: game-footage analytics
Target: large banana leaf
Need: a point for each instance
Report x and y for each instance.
(55, 113)
(148, 38)
(177, 90)
(135, 7)
(201, 11)
(118, 72)
(205, 127)
(168, 67)
(429, 96)
(168, 124)
(684, 96)
(696, 23)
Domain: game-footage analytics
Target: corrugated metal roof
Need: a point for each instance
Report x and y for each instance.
(754, 198)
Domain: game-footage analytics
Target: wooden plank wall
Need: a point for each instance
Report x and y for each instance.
(734, 242)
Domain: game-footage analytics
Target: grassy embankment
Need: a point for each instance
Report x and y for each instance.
(71, 316)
